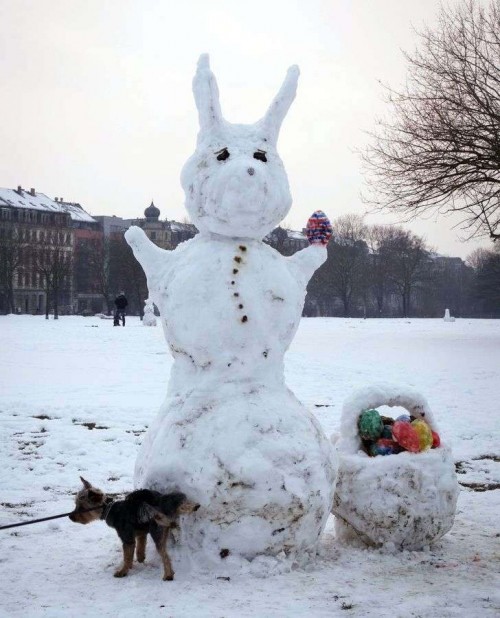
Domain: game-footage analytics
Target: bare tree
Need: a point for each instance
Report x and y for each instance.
(478, 257)
(92, 268)
(277, 239)
(405, 253)
(53, 261)
(439, 151)
(379, 269)
(347, 253)
(488, 285)
(11, 258)
(126, 274)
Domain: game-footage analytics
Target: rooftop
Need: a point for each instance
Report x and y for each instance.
(22, 198)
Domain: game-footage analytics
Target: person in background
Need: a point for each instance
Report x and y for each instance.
(121, 304)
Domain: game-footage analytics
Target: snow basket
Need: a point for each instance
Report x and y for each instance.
(404, 501)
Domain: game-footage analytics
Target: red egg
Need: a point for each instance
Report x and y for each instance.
(406, 436)
(436, 440)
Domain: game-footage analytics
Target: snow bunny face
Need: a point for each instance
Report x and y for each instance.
(235, 182)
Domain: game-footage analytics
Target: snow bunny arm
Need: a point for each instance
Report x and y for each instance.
(146, 252)
(319, 231)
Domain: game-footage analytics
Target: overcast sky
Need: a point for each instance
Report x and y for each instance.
(96, 103)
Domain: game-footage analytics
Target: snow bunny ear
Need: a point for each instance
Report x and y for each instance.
(281, 104)
(206, 95)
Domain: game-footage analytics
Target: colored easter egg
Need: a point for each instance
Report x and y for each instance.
(387, 432)
(383, 446)
(424, 434)
(319, 229)
(370, 425)
(436, 440)
(404, 418)
(406, 436)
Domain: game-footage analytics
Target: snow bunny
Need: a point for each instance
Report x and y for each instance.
(230, 434)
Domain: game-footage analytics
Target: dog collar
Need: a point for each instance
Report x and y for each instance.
(106, 508)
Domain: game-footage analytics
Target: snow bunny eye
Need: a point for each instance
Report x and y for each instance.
(260, 155)
(223, 154)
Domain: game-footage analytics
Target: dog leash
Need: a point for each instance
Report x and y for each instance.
(36, 521)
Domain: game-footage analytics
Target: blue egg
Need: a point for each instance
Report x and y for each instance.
(404, 418)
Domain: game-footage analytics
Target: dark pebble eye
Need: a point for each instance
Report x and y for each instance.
(260, 155)
(223, 154)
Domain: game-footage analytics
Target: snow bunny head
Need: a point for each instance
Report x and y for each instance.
(235, 182)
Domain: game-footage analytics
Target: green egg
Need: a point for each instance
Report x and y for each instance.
(370, 425)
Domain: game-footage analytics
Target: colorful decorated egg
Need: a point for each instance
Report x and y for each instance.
(424, 434)
(387, 432)
(319, 229)
(383, 446)
(404, 418)
(405, 435)
(436, 440)
(370, 425)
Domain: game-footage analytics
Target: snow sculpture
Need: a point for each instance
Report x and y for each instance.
(404, 501)
(447, 316)
(149, 318)
(230, 434)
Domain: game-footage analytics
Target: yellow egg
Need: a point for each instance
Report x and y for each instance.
(424, 434)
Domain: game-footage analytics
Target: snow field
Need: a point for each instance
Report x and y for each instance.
(76, 396)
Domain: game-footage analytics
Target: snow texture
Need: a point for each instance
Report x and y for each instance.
(404, 501)
(230, 434)
(75, 400)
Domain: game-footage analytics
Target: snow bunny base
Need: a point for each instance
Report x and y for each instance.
(404, 501)
(230, 434)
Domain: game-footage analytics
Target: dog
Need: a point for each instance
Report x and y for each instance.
(143, 511)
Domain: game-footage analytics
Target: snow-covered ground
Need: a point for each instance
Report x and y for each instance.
(75, 398)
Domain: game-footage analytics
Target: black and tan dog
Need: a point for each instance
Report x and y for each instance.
(141, 512)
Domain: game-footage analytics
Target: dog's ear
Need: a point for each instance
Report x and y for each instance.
(86, 484)
(95, 496)
(150, 512)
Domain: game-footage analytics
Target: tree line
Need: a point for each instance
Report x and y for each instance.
(96, 266)
(388, 271)
(371, 271)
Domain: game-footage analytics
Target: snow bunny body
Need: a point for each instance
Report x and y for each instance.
(231, 434)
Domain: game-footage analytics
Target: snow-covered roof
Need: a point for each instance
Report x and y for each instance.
(296, 235)
(181, 227)
(40, 201)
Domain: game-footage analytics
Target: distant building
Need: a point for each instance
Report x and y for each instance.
(287, 242)
(166, 234)
(32, 222)
(29, 222)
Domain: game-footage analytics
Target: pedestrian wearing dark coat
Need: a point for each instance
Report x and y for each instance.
(121, 304)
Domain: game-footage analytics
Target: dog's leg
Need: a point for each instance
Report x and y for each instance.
(140, 551)
(128, 558)
(168, 572)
